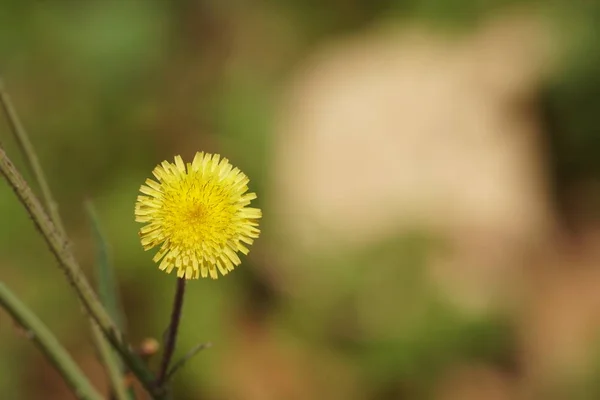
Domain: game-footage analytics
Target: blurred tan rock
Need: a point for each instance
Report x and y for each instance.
(393, 130)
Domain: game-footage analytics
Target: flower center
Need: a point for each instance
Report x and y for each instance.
(202, 214)
(196, 214)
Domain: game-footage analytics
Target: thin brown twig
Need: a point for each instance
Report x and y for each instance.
(171, 337)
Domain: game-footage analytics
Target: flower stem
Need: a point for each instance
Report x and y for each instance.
(48, 344)
(171, 336)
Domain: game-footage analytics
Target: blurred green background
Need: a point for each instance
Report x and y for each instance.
(427, 169)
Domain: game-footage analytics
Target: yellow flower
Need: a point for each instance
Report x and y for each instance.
(199, 213)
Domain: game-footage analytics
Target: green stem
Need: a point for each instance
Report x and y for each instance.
(181, 362)
(49, 345)
(59, 247)
(107, 292)
(31, 158)
(37, 171)
(111, 364)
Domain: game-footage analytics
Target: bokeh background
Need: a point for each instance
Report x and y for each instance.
(428, 172)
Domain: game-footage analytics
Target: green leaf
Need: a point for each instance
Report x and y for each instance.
(107, 286)
(110, 299)
(181, 362)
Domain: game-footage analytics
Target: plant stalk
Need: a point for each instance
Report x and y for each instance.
(49, 345)
(111, 364)
(20, 133)
(59, 247)
(31, 158)
(37, 171)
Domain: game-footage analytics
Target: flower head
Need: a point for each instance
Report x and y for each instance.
(198, 213)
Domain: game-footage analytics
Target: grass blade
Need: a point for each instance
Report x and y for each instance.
(109, 297)
(107, 287)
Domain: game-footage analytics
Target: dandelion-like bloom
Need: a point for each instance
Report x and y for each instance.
(199, 213)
